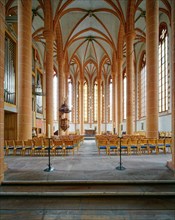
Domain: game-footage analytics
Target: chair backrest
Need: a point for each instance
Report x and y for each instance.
(19, 143)
(28, 143)
(143, 141)
(124, 141)
(133, 141)
(46, 142)
(113, 141)
(168, 140)
(68, 142)
(152, 141)
(102, 142)
(160, 141)
(58, 142)
(38, 142)
(10, 143)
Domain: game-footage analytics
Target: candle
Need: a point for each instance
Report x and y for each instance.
(120, 130)
(48, 132)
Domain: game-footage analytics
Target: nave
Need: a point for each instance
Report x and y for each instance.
(87, 164)
(87, 186)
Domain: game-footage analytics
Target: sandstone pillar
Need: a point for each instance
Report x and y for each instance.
(24, 70)
(49, 80)
(114, 94)
(130, 81)
(152, 32)
(119, 92)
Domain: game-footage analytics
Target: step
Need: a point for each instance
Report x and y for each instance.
(88, 188)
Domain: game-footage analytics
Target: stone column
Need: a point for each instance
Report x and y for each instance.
(2, 40)
(24, 70)
(152, 32)
(99, 106)
(119, 92)
(171, 164)
(66, 85)
(49, 36)
(130, 81)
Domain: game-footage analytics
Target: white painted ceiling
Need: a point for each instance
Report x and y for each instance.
(89, 28)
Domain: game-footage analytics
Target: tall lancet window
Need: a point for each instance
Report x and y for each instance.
(143, 87)
(95, 100)
(110, 99)
(70, 97)
(55, 96)
(85, 101)
(124, 95)
(163, 69)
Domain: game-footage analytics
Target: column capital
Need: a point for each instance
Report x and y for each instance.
(130, 34)
(48, 34)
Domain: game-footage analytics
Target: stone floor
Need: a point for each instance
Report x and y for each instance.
(87, 166)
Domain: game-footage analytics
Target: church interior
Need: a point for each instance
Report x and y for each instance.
(87, 109)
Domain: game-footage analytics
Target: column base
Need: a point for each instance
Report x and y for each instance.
(5, 167)
(2, 175)
(170, 165)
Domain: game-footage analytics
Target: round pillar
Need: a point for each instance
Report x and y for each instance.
(130, 81)
(119, 93)
(24, 70)
(152, 33)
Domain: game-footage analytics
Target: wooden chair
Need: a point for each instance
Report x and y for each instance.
(9, 147)
(125, 145)
(69, 146)
(161, 145)
(19, 147)
(113, 146)
(38, 148)
(168, 144)
(152, 144)
(134, 146)
(143, 145)
(28, 147)
(102, 144)
(58, 146)
(76, 141)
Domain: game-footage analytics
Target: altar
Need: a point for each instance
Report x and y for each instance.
(90, 132)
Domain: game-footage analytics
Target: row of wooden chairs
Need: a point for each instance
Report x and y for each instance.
(165, 134)
(39, 146)
(134, 145)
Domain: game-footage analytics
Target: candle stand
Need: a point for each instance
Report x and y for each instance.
(120, 167)
(49, 168)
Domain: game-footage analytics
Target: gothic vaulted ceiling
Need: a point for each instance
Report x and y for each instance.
(90, 32)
